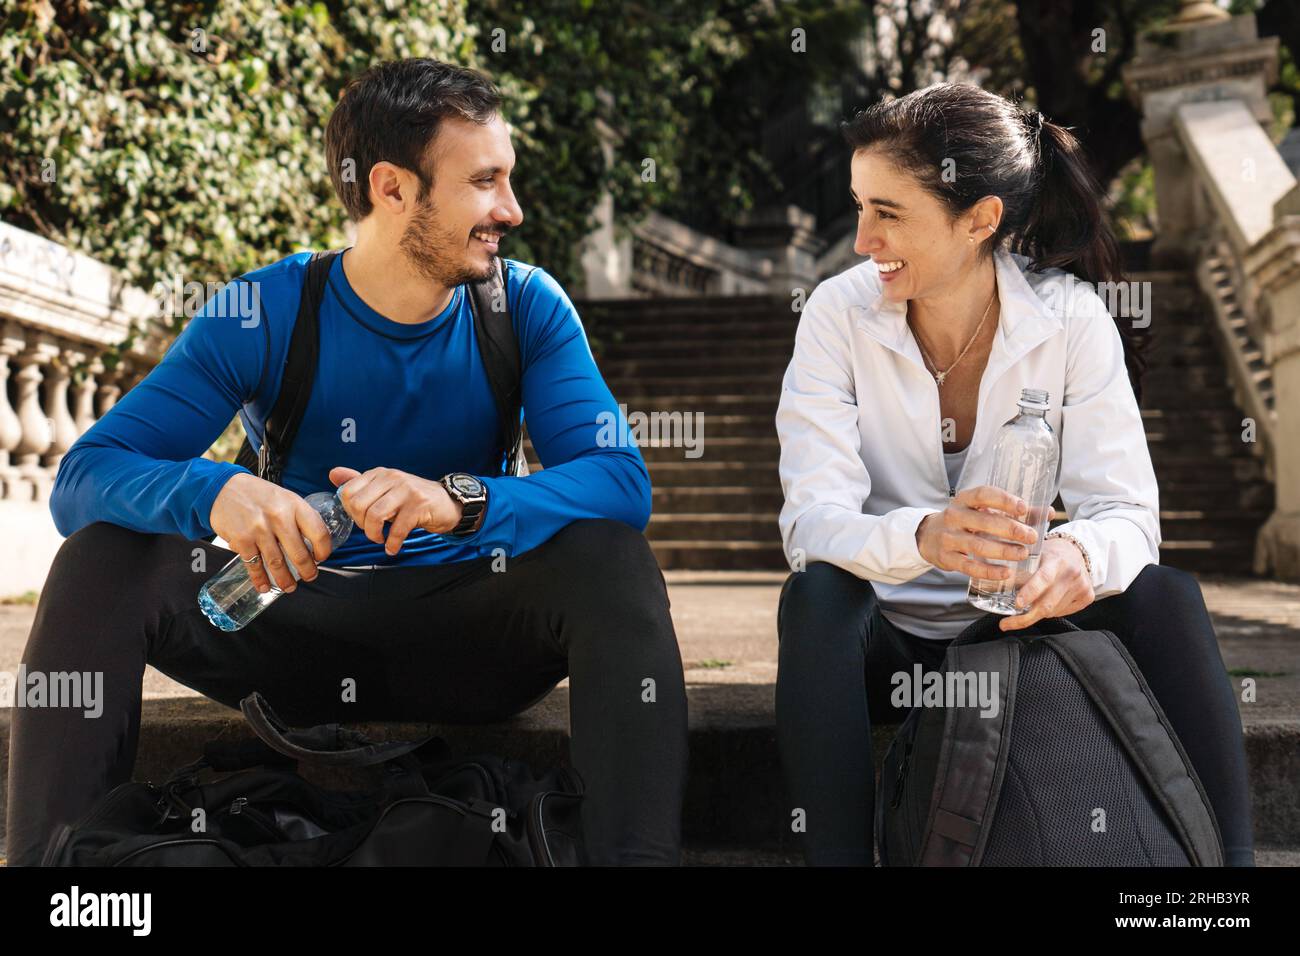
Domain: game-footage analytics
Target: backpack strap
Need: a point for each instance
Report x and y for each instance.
(1107, 671)
(299, 374)
(497, 345)
(972, 760)
(499, 349)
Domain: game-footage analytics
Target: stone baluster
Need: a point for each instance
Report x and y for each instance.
(110, 389)
(12, 342)
(37, 431)
(83, 400)
(55, 386)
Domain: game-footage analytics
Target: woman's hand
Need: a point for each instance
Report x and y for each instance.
(1059, 587)
(957, 537)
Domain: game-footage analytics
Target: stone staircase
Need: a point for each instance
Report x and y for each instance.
(726, 358)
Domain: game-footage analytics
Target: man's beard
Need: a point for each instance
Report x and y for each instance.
(437, 254)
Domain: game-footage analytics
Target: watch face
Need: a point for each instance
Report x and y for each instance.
(467, 485)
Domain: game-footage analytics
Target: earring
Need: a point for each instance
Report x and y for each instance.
(970, 238)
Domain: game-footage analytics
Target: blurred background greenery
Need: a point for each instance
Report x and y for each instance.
(185, 138)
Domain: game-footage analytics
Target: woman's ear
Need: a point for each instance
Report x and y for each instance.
(984, 218)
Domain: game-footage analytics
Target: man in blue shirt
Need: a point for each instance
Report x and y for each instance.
(442, 604)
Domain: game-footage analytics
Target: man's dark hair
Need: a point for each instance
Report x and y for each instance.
(391, 113)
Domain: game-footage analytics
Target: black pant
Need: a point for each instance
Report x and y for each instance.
(838, 652)
(459, 643)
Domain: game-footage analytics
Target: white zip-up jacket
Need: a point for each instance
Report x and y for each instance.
(861, 444)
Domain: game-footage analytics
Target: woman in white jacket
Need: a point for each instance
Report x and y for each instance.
(985, 240)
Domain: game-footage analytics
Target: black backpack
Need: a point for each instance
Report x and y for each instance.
(430, 809)
(496, 342)
(1077, 730)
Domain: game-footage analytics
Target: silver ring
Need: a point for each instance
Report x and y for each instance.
(253, 560)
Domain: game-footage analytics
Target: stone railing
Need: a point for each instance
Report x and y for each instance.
(1229, 208)
(775, 251)
(59, 311)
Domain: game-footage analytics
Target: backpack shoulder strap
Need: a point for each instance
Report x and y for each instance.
(299, 374)
(972, 760)
(499, 348)
(1112, 679)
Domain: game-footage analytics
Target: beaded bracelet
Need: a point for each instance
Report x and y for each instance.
(1087, 563)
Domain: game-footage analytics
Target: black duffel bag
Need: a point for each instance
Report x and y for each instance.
(431, 809)
(1078, 767)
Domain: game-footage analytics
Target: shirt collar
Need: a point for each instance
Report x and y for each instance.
(1024, 319)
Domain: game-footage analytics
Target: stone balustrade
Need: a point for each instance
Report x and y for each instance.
(59, 312)
(1229, 208)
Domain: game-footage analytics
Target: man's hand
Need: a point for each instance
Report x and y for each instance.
(256, 517)
(383, 495)
(1059, 587)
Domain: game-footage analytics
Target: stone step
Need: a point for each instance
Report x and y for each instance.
(692, 499)
(767, 366)
(693, 555)
(717, 403)
(693, 348)
(708, 472)
(677, 306)
(714, 527)
(762, 450)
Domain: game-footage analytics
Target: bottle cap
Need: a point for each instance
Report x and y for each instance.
(1034, 398)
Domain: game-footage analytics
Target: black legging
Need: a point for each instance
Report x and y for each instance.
(838, 651)
(458, 643)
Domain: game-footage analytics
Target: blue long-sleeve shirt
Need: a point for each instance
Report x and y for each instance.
(414, 397)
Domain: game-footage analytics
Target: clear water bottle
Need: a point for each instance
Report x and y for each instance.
(1024, 464)
(230, 599)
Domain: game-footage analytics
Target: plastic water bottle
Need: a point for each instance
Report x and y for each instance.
(1024, 464)
(230, 599)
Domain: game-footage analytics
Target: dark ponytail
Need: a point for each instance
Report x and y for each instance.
(1052, 203)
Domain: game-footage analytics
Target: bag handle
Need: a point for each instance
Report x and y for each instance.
(329, 744)
(986, 629)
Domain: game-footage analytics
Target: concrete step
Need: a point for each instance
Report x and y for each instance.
(763, 554)
(705, 472)
(686, 347)
(769, 366)
(702, 499)
(706, 528)
(711, 445)
(717, 403)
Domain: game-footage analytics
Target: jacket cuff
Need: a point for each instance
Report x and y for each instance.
(896, 531)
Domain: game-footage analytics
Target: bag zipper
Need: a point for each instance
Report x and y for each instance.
(901, 778)
(240, 807)
(184, 842)
(536, 829)
(431, 798)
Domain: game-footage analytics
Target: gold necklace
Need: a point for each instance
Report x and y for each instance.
(940, 376)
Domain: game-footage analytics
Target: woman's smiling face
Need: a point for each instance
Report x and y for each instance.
(907, 232)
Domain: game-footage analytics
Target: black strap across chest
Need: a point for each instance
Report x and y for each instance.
(497, 345)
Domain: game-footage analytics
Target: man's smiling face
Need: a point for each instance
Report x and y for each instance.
(456, 228)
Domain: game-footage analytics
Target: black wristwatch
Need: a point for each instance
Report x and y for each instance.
(472, 495)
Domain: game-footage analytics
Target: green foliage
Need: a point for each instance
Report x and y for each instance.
(172, 138)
